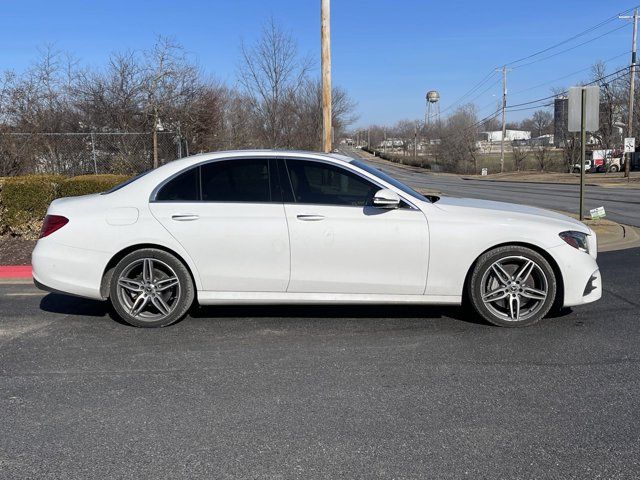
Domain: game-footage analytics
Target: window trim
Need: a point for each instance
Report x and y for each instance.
(272, 185)
(273, 161)
(340, 167)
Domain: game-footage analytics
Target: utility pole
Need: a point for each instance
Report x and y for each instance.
(583, 147)
(325, 40)
(504, 116)
(415, 141)
(155, 138)
(632, 75)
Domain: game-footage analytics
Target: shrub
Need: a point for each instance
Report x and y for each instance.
(24, 201)
(87, 184)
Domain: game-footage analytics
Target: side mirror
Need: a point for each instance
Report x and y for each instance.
(386, 198)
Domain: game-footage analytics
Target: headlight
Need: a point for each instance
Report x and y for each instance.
(576, 240)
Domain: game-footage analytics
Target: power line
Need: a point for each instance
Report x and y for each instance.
(566, 76)
(538, 100)
(564, 42)
(479, 85)
(608, 32)
(530, 108)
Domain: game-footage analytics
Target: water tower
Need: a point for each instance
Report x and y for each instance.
(433, 107)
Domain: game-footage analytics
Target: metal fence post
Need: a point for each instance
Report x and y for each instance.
(93, 153)
(179, 142)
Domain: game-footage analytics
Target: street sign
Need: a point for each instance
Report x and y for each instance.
(629, 145)
(597, 213)
(592, 108)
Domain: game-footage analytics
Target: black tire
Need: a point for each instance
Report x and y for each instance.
(510, 261)
(170, 287)
(576, 170)
(614, 169)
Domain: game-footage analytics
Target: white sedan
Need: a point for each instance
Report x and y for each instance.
(275, 227)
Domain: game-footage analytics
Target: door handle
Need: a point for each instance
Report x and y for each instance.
(185, 217)
(310, 217)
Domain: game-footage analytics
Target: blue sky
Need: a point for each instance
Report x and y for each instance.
(386, 53)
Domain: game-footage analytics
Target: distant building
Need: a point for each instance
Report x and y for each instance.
(560, 121)
(541, 141)
(510, 135)
(391, 143)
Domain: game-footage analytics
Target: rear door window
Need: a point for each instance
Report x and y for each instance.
(243, 180)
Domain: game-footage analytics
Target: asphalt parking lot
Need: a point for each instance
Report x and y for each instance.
(321, 392)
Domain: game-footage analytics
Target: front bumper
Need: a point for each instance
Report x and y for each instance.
(61, 268)
(580, 275)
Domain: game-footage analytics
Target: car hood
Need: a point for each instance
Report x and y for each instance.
(513, 210)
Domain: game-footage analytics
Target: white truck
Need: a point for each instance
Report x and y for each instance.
(604, 160)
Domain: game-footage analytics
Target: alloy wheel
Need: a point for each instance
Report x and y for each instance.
(148, 289)
(514, 288)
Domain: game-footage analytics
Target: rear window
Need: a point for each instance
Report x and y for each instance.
(125, 183)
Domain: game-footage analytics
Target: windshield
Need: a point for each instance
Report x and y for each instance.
(383, 176)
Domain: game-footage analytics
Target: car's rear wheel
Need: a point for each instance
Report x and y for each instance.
(151, 288)
(512, 286)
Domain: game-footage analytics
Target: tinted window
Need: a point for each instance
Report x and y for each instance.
(183, 188)
(236, 181)
(321, 183)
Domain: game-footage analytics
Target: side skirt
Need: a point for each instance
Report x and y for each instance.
(271, 298)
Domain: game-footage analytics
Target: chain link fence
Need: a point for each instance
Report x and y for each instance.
(85, 153)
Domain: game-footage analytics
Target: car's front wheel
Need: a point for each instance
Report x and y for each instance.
(512, 286)
(151, 288)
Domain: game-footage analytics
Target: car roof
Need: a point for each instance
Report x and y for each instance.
(231, 154)
(173, 167)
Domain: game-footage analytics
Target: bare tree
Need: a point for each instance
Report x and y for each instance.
(572, 152)
(542, 156)
(305, 119)
(171, 81)
(113, 99)
(611, 105)
(271, 74)
(458, 141)
(277, 104)
(520, 154)
(542, 122)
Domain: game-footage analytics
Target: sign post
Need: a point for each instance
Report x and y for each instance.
(584, 115)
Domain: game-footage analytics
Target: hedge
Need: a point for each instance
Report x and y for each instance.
(24, 200)
(87, 184)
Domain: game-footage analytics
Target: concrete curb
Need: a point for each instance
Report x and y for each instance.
(630, 239)
(534, 182)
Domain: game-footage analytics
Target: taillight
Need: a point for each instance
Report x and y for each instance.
(52, 223)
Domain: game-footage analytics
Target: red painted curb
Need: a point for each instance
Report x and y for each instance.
(15, 271)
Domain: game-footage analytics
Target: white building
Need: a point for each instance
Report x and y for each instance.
(391, 143)
(510, 135)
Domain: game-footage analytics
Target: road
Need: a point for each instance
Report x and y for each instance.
(321, 392)
(621, 204)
